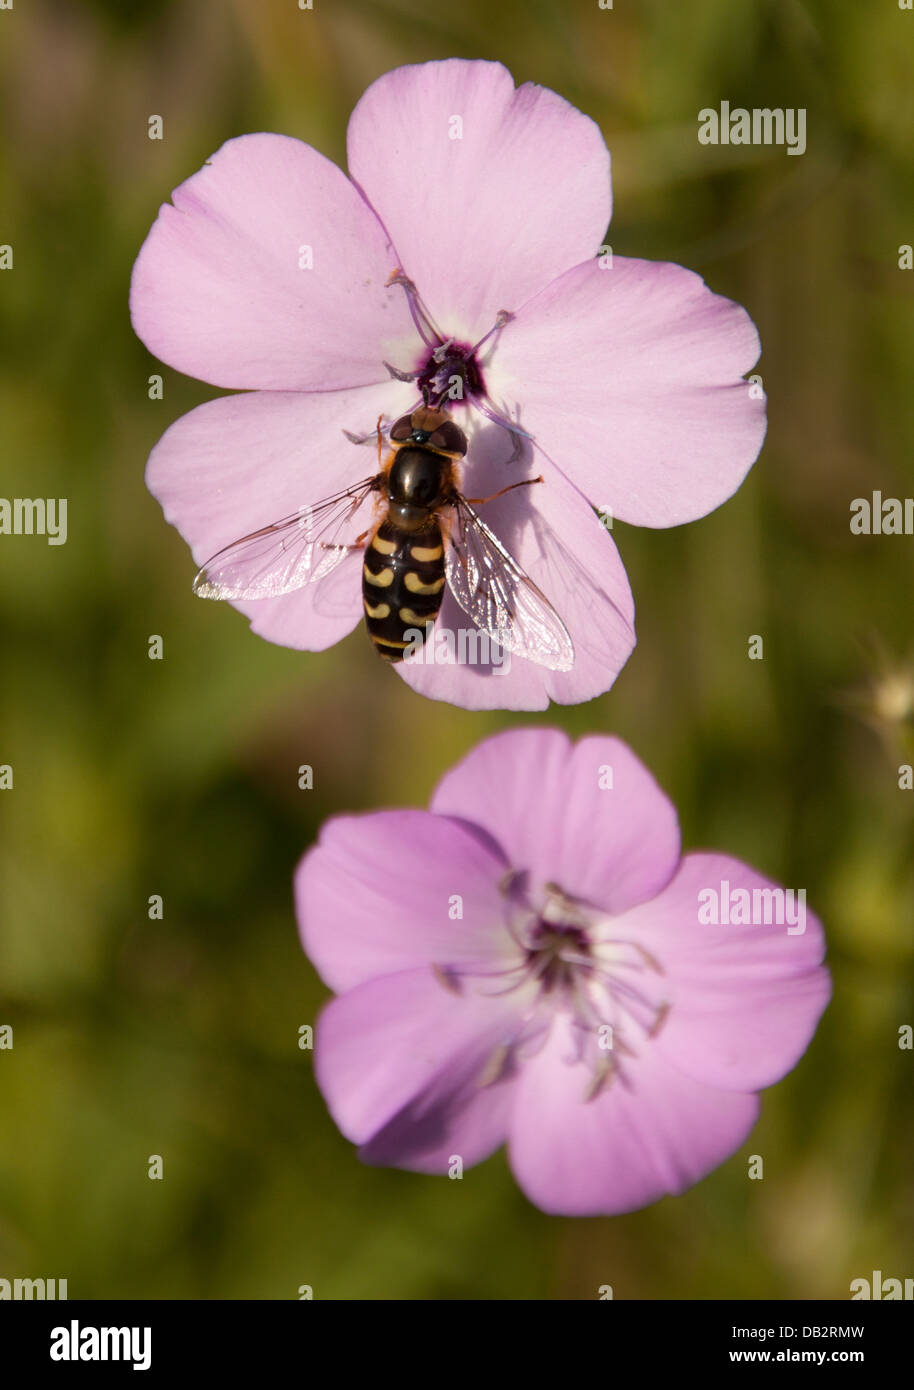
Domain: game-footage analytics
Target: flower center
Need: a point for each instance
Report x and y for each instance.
(570, 962)
(554, 953)
(450, 373)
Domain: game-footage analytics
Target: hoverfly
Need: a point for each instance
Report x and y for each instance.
(429, 533)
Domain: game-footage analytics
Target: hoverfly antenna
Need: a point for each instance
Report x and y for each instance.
(425, 393)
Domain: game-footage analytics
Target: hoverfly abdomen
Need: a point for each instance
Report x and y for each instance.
(402, 585)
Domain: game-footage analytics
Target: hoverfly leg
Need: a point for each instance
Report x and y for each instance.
(374, 436)
(352, 545)
(516, 448)
(378, 428)
(359, 438)
(399, 375)
(359, 542)
(524, 482)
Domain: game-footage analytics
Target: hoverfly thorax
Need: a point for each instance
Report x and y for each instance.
(420, 480)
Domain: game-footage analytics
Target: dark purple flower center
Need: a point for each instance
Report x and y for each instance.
(450, 374)
(555, 951)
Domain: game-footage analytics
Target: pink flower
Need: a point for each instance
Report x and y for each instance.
(532, 962)
(271, 274)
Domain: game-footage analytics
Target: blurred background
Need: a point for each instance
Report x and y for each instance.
(178, 777)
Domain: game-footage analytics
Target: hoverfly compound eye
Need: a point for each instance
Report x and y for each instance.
(450, 438)
(402, 429)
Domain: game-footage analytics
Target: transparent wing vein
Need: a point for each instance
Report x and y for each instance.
(297, 550)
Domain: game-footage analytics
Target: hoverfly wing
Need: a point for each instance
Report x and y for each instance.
(264, 564)
(297, 550)
(499, 597)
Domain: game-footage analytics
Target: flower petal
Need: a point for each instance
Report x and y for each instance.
(650, 1132)
(550, 808)
(556, 538)
(487, 192)
(745, 999)
(658, 426)
(219, 292)
(401, 1062)
(242, 462)
(378, 894)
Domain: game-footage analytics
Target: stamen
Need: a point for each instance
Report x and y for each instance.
(494, 1066)
(451, 977)
(662, 1015)
(425, 325)
(510, 880)
(603, 1074)
(501, 318)
(448, 977)
(619, 991)
(508, 989)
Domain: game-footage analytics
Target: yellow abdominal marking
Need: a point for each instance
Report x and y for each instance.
(414, 619)
(381, 611)
(425, 552)
(415, 585)
(385, 547)
(383, 580)
(388, 642)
